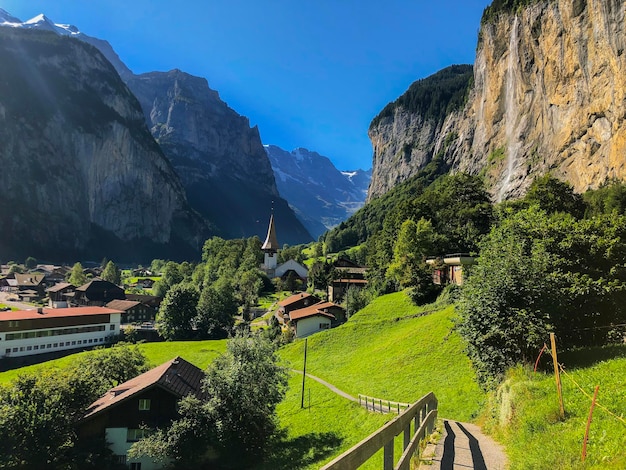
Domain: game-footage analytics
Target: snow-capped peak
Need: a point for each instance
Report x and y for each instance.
(43, 22)
(6, 17)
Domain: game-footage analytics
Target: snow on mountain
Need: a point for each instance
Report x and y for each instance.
(320, 194)
(6, 17)
(42, 22)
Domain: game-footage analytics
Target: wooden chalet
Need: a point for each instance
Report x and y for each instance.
(98, 292)
(128, 411)
(450, 269)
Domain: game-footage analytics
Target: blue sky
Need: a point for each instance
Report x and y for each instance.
(309, 73)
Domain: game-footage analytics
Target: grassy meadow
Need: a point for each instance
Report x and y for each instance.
(524, 414)
(396, 351)
(199, 353)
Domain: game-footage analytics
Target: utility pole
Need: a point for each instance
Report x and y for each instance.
(303, 373)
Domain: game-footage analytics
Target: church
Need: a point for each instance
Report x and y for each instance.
(270, 260)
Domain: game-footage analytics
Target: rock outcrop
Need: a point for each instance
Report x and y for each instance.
(219, 157)
(80, 172)
(548, 96)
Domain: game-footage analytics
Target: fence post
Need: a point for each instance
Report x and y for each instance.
(593, 404)
(557, 376)
(388, 456)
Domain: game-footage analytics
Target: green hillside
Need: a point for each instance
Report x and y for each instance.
(394, 350)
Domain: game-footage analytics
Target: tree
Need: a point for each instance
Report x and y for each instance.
(414, 243)
(113, 365)
(112, 273)
(249, 285)
(553, 195)
(77, 276)
(175, 319)
(539, 273)
(216, 310)
(38, 412)
(356, 299)
(236, 416)
(30, 263)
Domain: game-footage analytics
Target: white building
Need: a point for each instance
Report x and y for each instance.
(270, 262)
(44, 330)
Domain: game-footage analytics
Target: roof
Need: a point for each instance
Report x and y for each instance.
(95, 282)
(122, 304)
(59, 287)
(294, 298)
(177, 376)
(29, 279)
(271, 242)
(315, 309)
(55, 313)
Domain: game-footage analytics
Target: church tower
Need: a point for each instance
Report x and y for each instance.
(270, 248)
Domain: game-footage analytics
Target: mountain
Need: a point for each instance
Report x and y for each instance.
(81, 174)
(320, 195)
(220, 160)
(219, 157)
(545, 94)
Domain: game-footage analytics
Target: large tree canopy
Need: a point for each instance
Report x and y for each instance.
(539, 273)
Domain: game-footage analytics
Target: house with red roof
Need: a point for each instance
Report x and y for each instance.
(127, 412)
(294, 302)
(317, 317)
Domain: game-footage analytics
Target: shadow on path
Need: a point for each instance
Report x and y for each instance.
(447, 461)
(477, 455)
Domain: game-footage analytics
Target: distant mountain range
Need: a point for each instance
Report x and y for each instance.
(321, 196)
(208, 173)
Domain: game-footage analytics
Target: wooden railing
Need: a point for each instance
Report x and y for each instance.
(423, 413)
(382, 406)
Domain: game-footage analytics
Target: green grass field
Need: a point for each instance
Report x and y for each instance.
(396, 351)
(525, 414)
(199, 353)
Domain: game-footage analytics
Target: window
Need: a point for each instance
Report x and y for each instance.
(35, 347)
(56, 345)
(8, 351)
(135, 466)
(121, 459)
(111, 327)
(29, 348)
(324, 326)
(144, 404)
(73, 343)
(133, 435)
(80, 341)
(14, 323)
(61, 344)
(14, 349)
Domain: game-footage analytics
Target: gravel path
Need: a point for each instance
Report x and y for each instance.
(463, 446)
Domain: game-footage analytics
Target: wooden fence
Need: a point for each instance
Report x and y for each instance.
(423, 413)
(382, 406)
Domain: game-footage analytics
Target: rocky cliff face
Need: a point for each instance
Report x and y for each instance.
(318, 192)
(548, 96)
(219, 157)
(79, 167)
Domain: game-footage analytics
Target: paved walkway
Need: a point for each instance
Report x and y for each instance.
(5, 296)
(326, 384)
(463, 446)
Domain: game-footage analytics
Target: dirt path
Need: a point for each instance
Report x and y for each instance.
(462, 447)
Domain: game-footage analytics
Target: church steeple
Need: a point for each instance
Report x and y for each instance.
(270, 247)
(271, 242)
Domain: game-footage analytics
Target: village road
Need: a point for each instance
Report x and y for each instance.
(4, 299)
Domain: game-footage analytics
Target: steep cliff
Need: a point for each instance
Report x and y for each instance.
(548, 96)
(219, 157)
(79, 168)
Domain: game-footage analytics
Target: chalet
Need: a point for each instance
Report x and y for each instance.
(317, 317)
(350, 275)
(28, 332)
(57, 294)
(30, 282)
(294, 302)
(450, 269)
(133, 311)
(152, 301)
(128, 411)
(98, 292)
